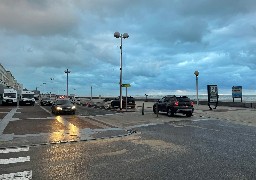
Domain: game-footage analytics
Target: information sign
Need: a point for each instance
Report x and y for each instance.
(237, 91)
(126, 85)
(212, 93)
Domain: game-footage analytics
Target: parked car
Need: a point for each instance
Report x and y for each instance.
(63, 106)
(130, 102)
(107, 102)
(46, 102)
(172, 105)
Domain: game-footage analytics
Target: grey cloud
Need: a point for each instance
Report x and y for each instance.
(168, 41)
(36, 18)
(216, 7)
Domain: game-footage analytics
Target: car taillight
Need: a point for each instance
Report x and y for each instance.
(176, 103)
(192, 103)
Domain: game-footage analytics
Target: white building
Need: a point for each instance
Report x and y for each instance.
(7, 80)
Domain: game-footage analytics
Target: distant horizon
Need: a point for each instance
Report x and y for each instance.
(152, 95)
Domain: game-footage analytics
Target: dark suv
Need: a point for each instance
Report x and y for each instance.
(130, 102)
(174, 104)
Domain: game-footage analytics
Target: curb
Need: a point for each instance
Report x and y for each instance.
(129, 132)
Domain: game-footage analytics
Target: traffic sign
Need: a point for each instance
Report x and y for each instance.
(126, 85)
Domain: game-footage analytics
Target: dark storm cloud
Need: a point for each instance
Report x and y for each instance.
(168, 41)
(38, 18)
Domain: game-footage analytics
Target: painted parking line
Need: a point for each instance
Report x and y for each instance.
(14, 160)
(45, 110)
(6, 120)
(12, 150)
(18, 175)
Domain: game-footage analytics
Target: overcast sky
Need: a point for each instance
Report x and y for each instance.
(169, 40)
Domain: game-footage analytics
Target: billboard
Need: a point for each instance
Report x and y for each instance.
(237, 92)
(212, 93)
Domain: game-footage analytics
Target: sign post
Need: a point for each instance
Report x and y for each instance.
(126, 86)
(213, 96)
(237, 92)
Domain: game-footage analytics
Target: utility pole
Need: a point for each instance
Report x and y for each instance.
(67, 72)
(91, 92)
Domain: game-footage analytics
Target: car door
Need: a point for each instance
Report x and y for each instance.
(161, 104)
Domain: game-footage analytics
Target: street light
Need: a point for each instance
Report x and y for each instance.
(197, 74)
(67, 72)
(52, 79)
(118, 35)
(44, 86)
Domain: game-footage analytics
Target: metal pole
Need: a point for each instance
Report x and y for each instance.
(91, 92)
(67, 84)
(197, 102)
(121, 65)
(44, 87)
(142, 109)
(67, 72)
(126, 99)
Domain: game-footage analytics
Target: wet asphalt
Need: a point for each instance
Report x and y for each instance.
(198, 149)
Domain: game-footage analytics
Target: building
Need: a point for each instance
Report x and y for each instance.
(7, 80)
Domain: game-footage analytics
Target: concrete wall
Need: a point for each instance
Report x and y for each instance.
(233, 104)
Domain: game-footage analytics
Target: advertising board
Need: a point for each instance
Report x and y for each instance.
(212, 93)
(237, 92)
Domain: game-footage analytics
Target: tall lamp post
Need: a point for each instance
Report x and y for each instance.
(44, 87)
(196, 74)
(122, 36)
(51, 86)
(67, 72)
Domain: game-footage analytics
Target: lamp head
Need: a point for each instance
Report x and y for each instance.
(117, 35)
(196, 73)
(125, 35)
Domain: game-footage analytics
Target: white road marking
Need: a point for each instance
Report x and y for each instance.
(6, 120)
(11, 150)
(14, 160)
(42, 118)
(45, 110)
(17, 176)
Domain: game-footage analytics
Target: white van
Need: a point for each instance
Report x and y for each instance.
(27, 98)
(10, 97)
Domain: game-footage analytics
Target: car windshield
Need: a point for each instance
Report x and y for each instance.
(10, 95)
(28, 95)
(183, 99)
(63, 101)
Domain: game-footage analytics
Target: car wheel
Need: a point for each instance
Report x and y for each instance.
(170, 112)
(154, 109)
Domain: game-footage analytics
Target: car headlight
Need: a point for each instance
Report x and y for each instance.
(73, 107)
(59, 108)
